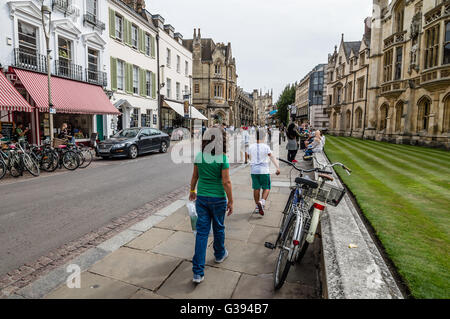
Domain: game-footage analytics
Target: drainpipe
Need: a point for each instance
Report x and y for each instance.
(159, 85)
(353, 103)
(365, 104)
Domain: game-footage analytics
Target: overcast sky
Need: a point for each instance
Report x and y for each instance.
(275, 42)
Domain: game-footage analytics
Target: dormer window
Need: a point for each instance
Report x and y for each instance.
(362, 58)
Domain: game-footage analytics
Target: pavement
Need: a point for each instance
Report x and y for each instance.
(152, 259)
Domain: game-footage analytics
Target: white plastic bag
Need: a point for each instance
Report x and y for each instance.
(192, 214)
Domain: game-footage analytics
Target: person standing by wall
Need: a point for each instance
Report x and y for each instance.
(292, 145)
(212, 172)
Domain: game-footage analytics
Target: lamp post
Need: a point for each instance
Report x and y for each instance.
(47, 13)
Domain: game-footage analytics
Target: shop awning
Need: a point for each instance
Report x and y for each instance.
(10, 99)
(68, 96)
(179, 108)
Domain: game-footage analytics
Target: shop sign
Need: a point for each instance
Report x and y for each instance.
(186, 109)
(52, 110)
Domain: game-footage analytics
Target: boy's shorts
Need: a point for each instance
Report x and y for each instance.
(260, 181)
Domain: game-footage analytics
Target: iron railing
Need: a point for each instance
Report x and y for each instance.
(30, 61)
(96, 77)
(92, 19)
(38, 63)
(68, 70)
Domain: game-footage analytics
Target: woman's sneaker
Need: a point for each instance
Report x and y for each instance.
(198, 279)
(218, 261)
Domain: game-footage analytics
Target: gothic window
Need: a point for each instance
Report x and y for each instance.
(398, 63)
(348, 117)
(432, 46)
(362, 59)
(217, 69)
(446, 119)
(349, 91)
(361, 88)
(447, 44)
(358, 114)
(398, 116)
(384, 109)
(423, 114)
(388, 66)
(399, 16)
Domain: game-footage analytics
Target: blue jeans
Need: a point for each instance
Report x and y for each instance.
(209, 209)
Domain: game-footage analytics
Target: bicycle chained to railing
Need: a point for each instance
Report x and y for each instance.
(301, 216)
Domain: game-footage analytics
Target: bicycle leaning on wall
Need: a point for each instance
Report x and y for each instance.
(301, 216)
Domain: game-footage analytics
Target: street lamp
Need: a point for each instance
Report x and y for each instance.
(47, 15)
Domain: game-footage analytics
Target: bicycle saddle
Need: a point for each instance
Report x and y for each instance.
(62, 146)
(306, 181)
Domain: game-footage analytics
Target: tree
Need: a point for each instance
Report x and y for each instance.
(286, 98)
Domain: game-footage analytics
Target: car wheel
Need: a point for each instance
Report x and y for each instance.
(163, 147)
(133, 152)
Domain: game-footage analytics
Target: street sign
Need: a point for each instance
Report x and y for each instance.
(52, 111)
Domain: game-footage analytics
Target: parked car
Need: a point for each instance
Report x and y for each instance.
(132, 142)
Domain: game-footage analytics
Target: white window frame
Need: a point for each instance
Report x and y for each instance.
(148, 44)
(117, 24)
(120, 76)
(169, 53)
(134, 36)
(178, 90)
(186, 68)
(178, 64)
(169, 88)
(148, 82)
(135, 79)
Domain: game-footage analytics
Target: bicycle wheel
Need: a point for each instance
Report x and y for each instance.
(49, 161)
(30, 165)
(283, 264)
(14, 166)
(286, 211)
(2, 169)
(87, 157)
(70, 160)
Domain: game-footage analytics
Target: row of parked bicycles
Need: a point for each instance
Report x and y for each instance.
(17, 158)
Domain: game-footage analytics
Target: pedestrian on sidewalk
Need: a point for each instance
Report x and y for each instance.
(212, 171)
(259, 155)
(292, 145)
(246, 140)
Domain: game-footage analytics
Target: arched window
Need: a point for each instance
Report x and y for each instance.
(423, 114)
(358, 115)
(399, 16)
(446, 119)
(398, 116)
(348, 119)
(217, 68)
(383, 116)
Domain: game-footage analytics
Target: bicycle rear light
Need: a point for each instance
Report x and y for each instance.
(296, 242)
(318, 206)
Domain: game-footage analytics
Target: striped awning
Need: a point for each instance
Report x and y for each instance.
(179, 108)
(10, 99)
(68, 96)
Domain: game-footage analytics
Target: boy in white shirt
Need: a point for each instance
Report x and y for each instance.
(259, 155)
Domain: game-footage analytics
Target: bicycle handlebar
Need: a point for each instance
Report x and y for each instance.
(317, 169)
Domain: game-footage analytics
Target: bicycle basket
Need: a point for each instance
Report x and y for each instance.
(58, 141)
(326, 193)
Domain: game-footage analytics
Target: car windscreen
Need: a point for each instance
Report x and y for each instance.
(129, 133)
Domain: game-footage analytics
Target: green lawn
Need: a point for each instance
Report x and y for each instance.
(404, 191)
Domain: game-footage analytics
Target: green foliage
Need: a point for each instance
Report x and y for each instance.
(286, 98)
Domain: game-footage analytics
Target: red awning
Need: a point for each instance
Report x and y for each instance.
(67, 96)
(10, 99)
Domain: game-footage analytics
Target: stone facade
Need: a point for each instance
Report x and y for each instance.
(408, 87)
(214, 78)
(263, 105)
(244, 108)
(347, 74)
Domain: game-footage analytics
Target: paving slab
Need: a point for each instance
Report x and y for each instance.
(245, 257)
(150, 239)
(147, 223)
(119, 240)
(180, 244)
(260, 234)
(169, 210)
(142, 269)
(261, 287)
(146, 294)
(218, 284)
(238, 227)
(173, 220)
(270, 218)
(94, 286)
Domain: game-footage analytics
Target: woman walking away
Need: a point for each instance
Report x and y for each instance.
(211, 170)
(292, 146)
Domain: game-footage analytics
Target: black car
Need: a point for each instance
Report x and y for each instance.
(132, 142)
